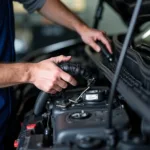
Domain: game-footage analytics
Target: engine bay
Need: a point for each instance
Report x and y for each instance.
(79, 121)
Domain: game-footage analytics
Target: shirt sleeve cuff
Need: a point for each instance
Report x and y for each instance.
(32, 5)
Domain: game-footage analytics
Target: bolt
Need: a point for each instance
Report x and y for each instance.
(82, 111)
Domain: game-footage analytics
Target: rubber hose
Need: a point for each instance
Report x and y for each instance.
(40, 103)
(76, 69)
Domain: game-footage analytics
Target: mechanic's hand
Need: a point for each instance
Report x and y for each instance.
(49, 78)
(90, 36)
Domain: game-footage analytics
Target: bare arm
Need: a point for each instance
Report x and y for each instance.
(45, 75)
(12, 74)
(56, 11)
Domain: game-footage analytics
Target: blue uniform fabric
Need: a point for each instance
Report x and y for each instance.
(7, 55)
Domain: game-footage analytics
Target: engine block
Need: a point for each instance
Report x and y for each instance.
(61, 125)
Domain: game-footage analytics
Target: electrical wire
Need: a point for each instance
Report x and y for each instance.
(121, 59)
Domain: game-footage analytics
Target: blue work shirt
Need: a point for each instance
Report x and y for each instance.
(7, 55)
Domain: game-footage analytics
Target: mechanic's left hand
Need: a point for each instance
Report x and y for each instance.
(90, 36)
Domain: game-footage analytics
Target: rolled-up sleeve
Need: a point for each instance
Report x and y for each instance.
(32, 5)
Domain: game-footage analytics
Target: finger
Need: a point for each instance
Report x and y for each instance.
(62, 84)
(68, 78)
(52, 91)
(104, 33)
(108, 39)
(94, 46)
(60, 58)
(57, 88)
(105, 41)
(63, 58)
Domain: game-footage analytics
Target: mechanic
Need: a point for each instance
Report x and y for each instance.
(45, 75)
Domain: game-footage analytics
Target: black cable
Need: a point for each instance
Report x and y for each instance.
(98, 14)
(121, 59)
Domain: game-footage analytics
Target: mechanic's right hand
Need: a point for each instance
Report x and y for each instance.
(48, 77)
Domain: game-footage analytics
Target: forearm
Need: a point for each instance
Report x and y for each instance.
(13, 74)
(56, 11)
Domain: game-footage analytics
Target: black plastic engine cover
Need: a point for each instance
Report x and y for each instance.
(68, 129)
(86, 119)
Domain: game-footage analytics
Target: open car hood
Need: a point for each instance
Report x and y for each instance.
(126, 7)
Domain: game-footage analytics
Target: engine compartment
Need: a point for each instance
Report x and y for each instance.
(74, 123)
(77, 117)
